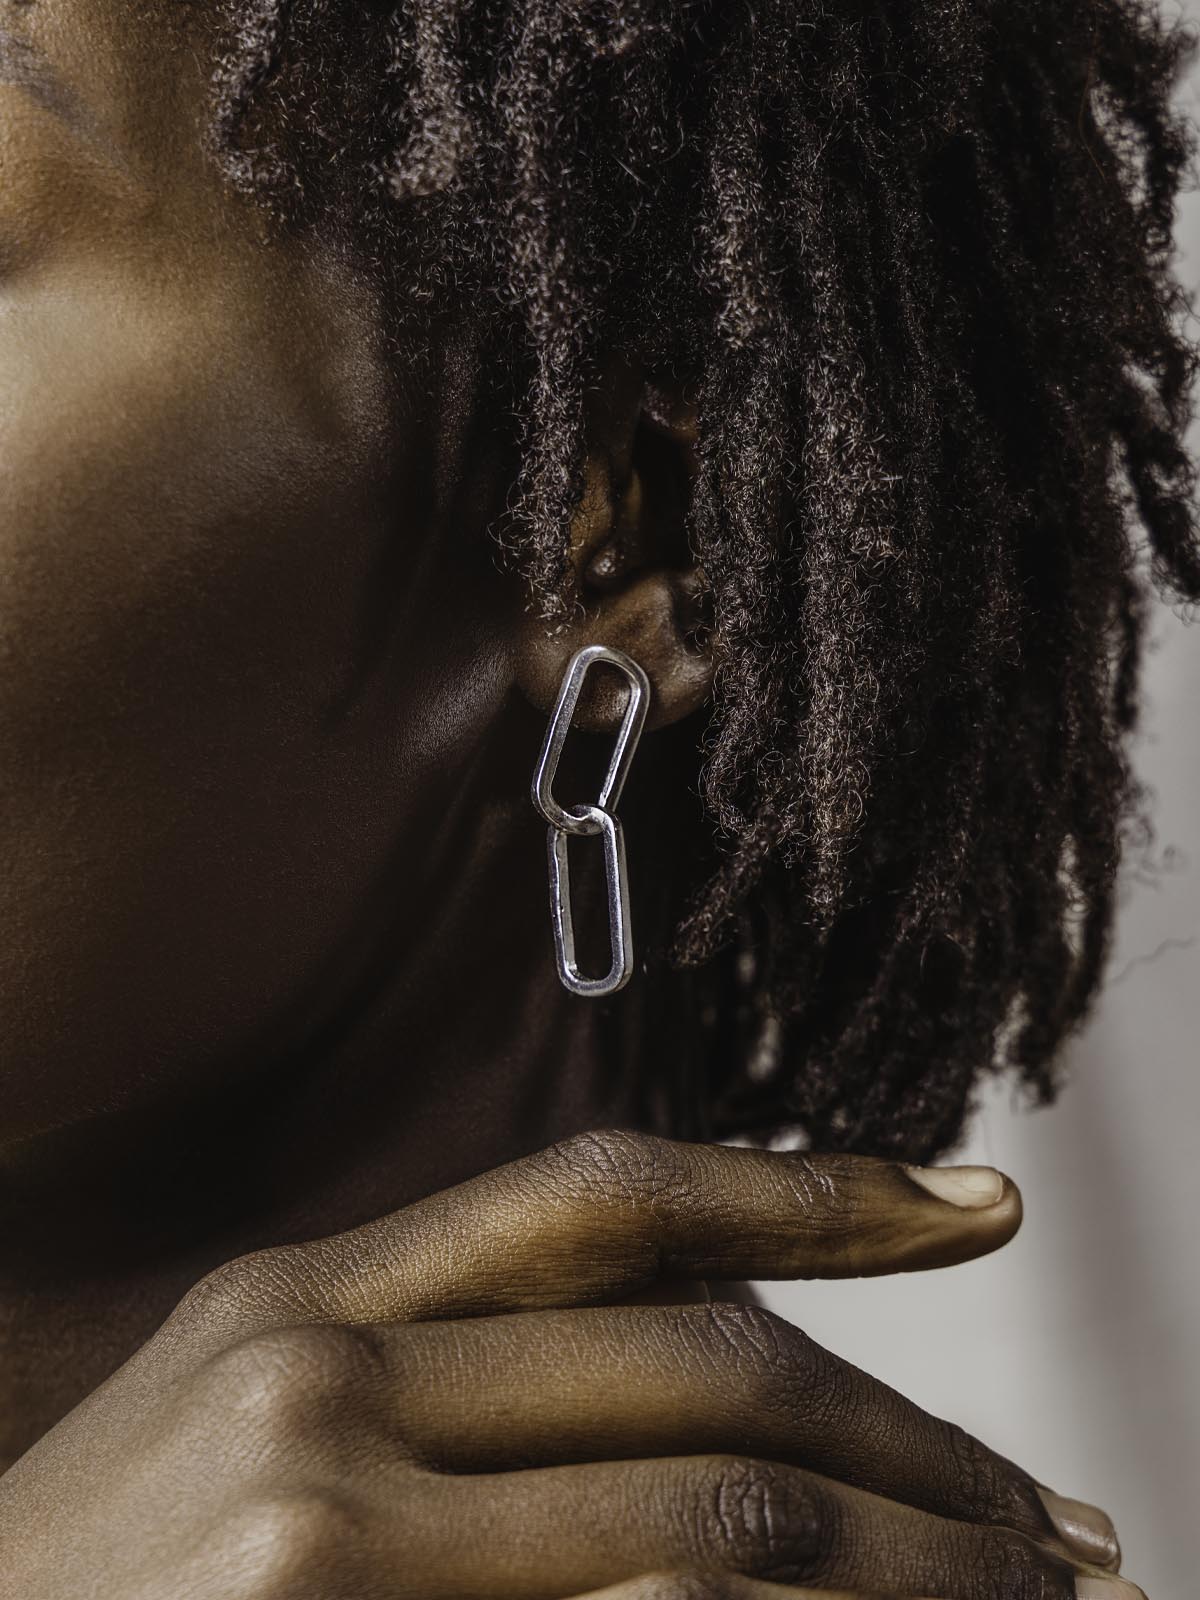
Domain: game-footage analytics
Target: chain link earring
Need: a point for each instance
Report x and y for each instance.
(584, 821)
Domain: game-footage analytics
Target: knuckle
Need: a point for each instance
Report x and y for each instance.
(239, 1296)
(280, 1545)
(258, 1290)
(989, 1488)
(280, 1385)
(216, 1299)
(1011, 1567)
(786, 1370)
(619, 1163)
(765, 1520)
(755, 1337)
(619, 1188)
(971, 1461)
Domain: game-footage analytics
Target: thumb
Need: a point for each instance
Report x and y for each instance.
(605, 1215)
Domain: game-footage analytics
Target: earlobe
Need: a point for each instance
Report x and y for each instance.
(656, 620)
(639, 589)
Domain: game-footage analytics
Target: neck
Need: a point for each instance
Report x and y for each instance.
(451, 1048)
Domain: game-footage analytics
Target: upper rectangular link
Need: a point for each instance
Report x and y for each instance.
(630, 731)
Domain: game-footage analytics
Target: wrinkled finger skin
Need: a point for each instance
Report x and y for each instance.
(600, 1216)
(390, 1412)
(556, 1388)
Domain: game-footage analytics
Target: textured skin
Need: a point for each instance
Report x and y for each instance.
(450, 1402)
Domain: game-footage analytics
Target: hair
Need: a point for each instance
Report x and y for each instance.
(914, 259)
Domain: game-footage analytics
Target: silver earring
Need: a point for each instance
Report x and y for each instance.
(585, 820)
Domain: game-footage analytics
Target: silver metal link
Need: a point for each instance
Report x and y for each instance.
(617, 884)
(626, 742)
(584, 821)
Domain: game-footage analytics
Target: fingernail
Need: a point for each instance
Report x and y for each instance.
(972, 1187)
(1086, 1529)
(1107, 1589)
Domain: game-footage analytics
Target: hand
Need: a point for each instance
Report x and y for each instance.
(447, 1404)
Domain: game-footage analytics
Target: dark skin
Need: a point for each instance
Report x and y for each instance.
(276, 966)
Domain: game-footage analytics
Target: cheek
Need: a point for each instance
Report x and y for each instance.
(202, 771)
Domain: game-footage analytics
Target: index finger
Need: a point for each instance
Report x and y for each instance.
(603, 1215)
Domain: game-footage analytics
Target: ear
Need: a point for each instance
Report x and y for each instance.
(639, 586)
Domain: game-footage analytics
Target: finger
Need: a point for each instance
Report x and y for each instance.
(604, 1215)
(716, 1586)
(568, 1530)
(611, 1383)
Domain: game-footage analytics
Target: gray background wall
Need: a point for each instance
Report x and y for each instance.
(1076, 1350)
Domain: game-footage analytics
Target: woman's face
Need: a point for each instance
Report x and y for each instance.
(244, 644)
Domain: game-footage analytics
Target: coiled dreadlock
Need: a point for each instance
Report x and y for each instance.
(915, 258)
